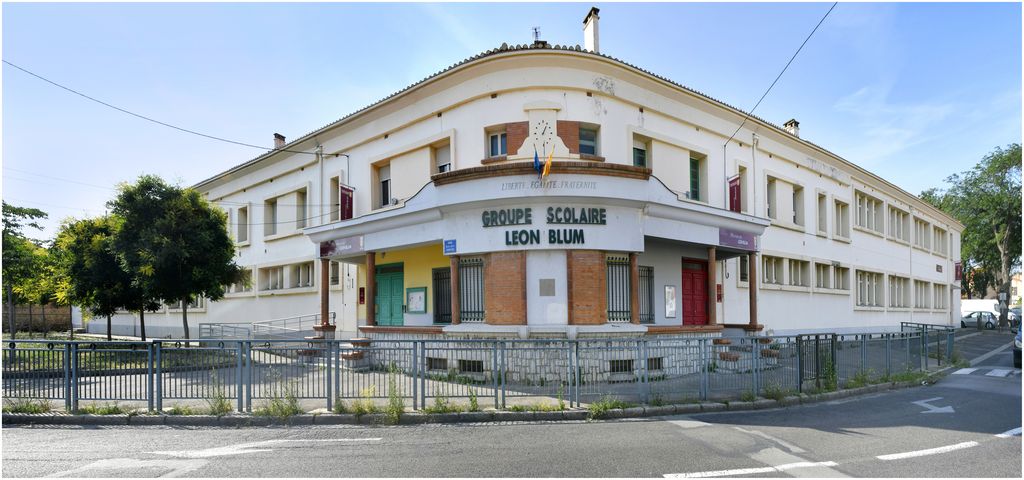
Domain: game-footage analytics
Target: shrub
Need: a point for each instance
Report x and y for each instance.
(26, 405)
(339, 406)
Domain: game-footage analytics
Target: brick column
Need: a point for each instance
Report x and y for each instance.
(586, 283)
(752, 285)
(325, 329)
(712, 291)
(634, 289)
(505, 288)
(371, 289)
(454, 276)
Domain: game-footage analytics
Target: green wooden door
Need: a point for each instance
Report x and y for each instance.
(390, 287)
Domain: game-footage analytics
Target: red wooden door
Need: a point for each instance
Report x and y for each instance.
(695, 292)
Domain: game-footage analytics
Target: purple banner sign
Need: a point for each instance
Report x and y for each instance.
(341, 246)
(740, 240)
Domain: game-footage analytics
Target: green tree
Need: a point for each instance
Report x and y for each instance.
(987, 200)
(92, 275)
(175, 242)
(21, 256)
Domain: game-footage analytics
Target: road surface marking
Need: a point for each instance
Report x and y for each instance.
(251, 447)
(751, 471)
(855, 398)
(998, 373)
(991, 354)
(933, 408)
(930, 451)
(688, 423)
(1009, 433)
(964, 371)
(178, 468)
(789, 446)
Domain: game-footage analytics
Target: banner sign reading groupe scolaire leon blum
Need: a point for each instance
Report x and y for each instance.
(506, 217)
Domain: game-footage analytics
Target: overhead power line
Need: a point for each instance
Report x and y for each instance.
(158, 122)
(751, 112)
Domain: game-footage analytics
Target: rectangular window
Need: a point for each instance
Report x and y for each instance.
(242, 225)
(442, 281)
(772, 270)
(744, 181)
(899, 292)
(869, 213)
(823, 214)
(639, 157)
(300, 275)
(922, 294)
(773, 209)
(588, 140)
(842, 220)
(471, 290)
(695, 179)
(799, 273)
(300, 209)
(646, 294)
(939, 300)
(869, 289)
(822, 275)
(434, 363)
(384, 176)
(618, 288)
(941, 245)
(270, 217)
(620, 366)
(243, 285)
(497, 144)
(842, 278)
(272, 278)
(335, 273)
(335, 213)
(744, 267)
(922, 234)
(443, 158)
(898, 226)
(798, 205)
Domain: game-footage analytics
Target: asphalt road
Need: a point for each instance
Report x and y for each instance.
(950, 432)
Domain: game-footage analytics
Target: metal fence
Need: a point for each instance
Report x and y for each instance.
(421, 373)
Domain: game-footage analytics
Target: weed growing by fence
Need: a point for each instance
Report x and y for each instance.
(601, 407)
(748, 396)
(395, 408)
(441, 405)
(474, 405)
(339, 406)
(958, 360)
(776, 392)
(280, 406)
(182, 410)
(105, 409)
(861, 379)
(26, 405)
(908, 376)
(365, 404)
(561, 401)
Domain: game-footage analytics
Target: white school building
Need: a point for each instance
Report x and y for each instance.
(423, 215)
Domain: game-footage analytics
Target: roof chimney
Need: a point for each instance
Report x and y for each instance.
(793, 127)
(590, 34)
(278, 140)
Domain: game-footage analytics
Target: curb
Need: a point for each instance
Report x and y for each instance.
(415, 418)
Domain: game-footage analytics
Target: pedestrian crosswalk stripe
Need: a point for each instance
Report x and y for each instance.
(998, 373)
(964, 371)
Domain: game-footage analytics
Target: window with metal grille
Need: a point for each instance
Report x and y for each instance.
(620, 366)
(646, 294)
(442, 295)
(471, 366)
(655, 363)
(437, 363)
(471, 290)
(618, 289)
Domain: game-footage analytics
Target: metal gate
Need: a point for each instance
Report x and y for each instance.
(816, 359)
(619, 308)
(471, 290)
(442, 295)
(646, 294)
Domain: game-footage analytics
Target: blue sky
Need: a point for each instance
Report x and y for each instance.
(912, 92)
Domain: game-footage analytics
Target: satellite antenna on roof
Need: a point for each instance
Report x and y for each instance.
(536, 34)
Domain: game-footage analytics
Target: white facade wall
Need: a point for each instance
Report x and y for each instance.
(457, 107)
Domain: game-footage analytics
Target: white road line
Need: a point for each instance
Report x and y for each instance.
(688, 423)
(1009, 433)
(252, 447)
(965, 371)
(930, 451)
(991, 354)
(750, 471)
(998, 373)
(789, 446)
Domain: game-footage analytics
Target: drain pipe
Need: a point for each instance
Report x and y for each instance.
(320, 183)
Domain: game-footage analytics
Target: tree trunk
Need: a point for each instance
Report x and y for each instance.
(184, 318)
(10, 310)
(142, 323)
(109, 339)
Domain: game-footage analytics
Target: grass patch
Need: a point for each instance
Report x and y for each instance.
(182, 410)
(776, 392)
(861, 379)
(748, 396)
(600, 408)
(281, 405)
(26, 405)
(106, 409)
(364, 405)
(908, 376)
